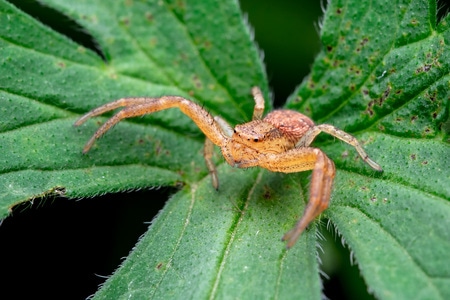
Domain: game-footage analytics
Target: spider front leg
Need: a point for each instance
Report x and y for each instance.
(311, 134)
(298, 160)
(141, 106)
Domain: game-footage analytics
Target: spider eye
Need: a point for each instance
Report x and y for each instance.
(255, 140)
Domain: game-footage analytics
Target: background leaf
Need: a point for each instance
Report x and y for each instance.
(382, 75)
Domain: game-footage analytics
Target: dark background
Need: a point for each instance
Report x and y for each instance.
(59, 248)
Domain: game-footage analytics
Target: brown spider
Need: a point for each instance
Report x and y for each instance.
(279, 142)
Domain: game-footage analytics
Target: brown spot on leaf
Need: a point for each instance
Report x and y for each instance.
(385, 95)
(344, 154)
(307, 110)
(369, 109)
(364, 41)
(149, 16)
(298, 99)
(125, 21)
(183, 56)
(432, 97)
(424, 68)
(267, 193)
(197, 82)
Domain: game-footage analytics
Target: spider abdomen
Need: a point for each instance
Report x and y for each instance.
(293, 125)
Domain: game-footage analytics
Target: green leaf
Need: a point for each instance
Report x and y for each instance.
(383, 75)
(46, 79)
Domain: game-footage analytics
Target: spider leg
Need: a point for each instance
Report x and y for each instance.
(302, 159)
(259, 103)
(224, 126)
(309, 136)
(141, 106)
(319, 197)
(110, 106)
(208, 151)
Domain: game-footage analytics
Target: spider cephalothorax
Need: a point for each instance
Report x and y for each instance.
(280, 142)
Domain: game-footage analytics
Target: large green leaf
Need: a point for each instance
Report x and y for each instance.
(383, 75)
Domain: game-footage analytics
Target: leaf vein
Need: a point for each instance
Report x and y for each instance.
(239, 216)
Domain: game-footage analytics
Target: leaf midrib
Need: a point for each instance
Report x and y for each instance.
(235, 226)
